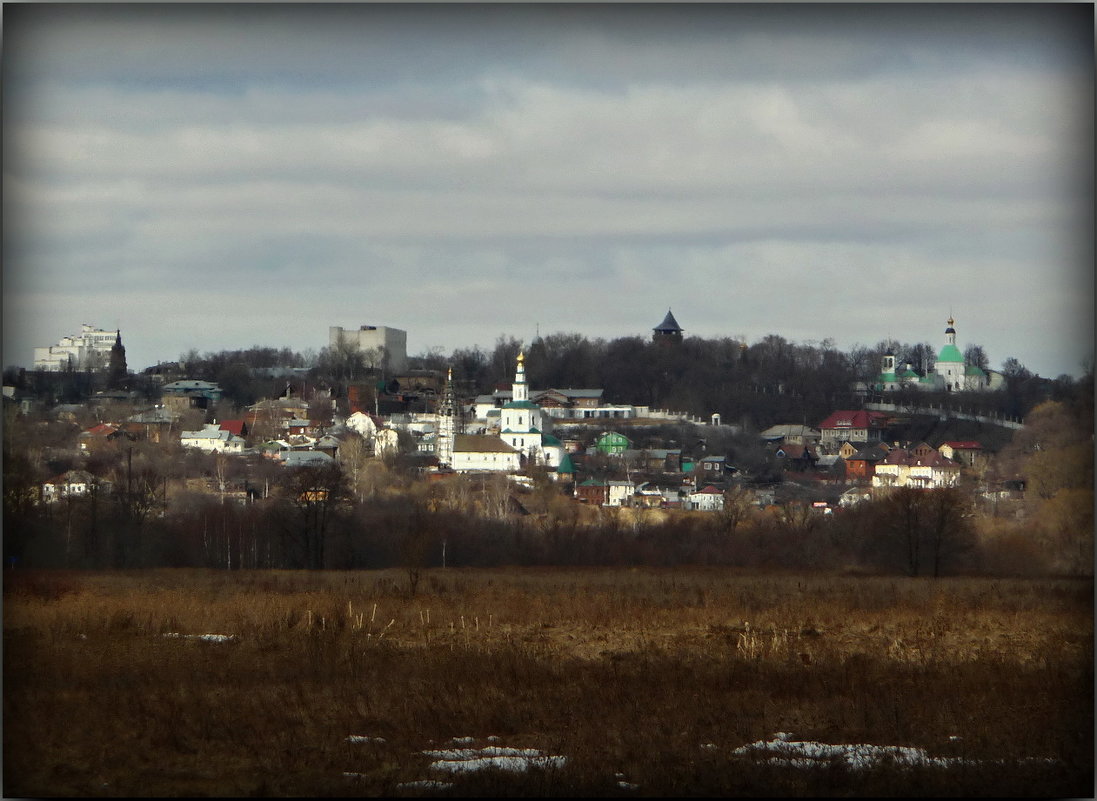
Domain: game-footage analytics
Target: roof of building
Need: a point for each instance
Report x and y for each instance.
(795, 451)
(871, 453)
(669, 325)
(159, 415)
(101, 430)
(859, 418)
(73, 477)
(190, 385)
(480, 443)
(708, 490)
(950, 353)
(966, 445)
(206, 433)
(616, 436)
(902, 456)
(306, 458)
(789, 430)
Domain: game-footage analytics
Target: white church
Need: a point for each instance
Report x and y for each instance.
(525, 434)
(949, 372)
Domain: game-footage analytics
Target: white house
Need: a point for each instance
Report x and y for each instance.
(73, 484)
(709, 499)
(620, 493)
(212, 439)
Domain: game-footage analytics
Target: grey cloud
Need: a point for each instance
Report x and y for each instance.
(642, 152)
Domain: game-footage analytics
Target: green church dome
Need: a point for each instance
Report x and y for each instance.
(950, 353)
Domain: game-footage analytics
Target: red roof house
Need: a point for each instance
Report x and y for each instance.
(238, 428)
(857, 425)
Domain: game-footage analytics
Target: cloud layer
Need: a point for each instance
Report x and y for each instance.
(228, 176)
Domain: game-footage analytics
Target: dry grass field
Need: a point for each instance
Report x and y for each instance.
(559, 682)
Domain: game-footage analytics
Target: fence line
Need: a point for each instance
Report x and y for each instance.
(944, 413)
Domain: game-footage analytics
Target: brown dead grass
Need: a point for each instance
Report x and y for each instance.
(657, 675)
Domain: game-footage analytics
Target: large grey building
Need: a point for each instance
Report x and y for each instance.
(392, 342)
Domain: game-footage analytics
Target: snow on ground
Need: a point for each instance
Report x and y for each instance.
(464, 760)
(781, 750)
(203, 637)
(809, 753)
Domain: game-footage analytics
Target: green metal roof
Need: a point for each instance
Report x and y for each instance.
(520, 405)
(950, 353)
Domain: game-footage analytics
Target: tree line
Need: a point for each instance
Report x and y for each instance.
(772, 380)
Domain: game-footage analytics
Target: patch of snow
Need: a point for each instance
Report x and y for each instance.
(502, 762)
(462, 760)
(859, 756)
(203, 637)
(362, 738)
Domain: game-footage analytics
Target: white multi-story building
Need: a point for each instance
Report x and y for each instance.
(88, 350)
(922, 468)
(391, 342)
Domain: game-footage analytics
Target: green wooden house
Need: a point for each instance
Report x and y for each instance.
(612, 443)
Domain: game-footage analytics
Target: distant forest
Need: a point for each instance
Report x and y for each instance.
(754, 385)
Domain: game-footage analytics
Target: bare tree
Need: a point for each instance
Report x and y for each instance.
(315, 495)
(947, 526)
(738, 504)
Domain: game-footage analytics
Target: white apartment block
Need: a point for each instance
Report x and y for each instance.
(88, 350)
(392, 342)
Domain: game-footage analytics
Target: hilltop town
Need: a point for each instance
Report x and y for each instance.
(367, 428)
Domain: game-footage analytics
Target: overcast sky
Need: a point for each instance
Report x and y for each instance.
(216, 177)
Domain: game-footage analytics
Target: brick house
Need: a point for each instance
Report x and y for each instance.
(593, 491)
